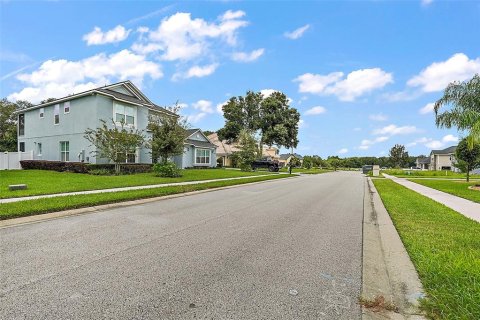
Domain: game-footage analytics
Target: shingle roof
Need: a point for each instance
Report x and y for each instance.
(223, 148)
(201, 144)
(445, 151)
(286, 155)
(424, 160)
(191, 131)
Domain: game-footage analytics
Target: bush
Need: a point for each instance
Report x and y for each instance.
(125, 168)
(100, 172)
(78, 167)
(167, 169)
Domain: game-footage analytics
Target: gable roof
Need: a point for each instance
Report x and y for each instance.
(190, 132)
(200, 144)
(223, 148)
(138, 97)
(423, 160)
(445, 151)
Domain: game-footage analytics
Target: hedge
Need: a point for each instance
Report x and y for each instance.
(81, 167)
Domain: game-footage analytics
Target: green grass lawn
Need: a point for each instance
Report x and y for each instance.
(39, 206)
(306, 171)
(455, 187)
(428, 174)
(48, 182)
(444, 247)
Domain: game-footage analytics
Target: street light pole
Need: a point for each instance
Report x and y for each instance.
(291, 158)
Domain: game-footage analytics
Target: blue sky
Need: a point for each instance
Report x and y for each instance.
(363, 74)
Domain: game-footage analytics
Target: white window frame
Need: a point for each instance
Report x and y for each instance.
(21, 115)
(66, 152)
(205, 156)
(125, 106)
(41, 113)
(39, 149)
(65, 106)
(56, 112)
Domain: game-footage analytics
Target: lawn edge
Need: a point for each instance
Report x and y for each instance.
(392, 273)
(35, 218)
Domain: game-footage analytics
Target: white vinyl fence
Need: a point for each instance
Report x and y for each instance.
(11, 160)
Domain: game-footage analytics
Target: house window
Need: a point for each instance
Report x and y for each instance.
(39, 149)
(66, 107)
(21, 124)
(56, 114)
(130, 157)
(41, 113)
(126, 157)
(202, 156)
(124, 114)
(21, 147)
(64, 151)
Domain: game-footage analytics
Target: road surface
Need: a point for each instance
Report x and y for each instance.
(285, 249)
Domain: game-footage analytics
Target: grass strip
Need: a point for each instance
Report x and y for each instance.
(444, 247)
(457, 188)
(307, 171)
(50, 182)
(46, 205)
(428, 174)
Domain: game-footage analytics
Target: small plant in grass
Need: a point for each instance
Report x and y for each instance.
(378, 303)
(167, 169)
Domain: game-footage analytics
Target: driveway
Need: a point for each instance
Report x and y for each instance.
(284, 249)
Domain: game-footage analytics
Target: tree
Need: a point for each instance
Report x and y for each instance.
(398, 156)
(8, 123)
(115, 143)
(248, 150)
(464, 100)
(468, 159)
(334, 162)
(208, 132)
(168, 135)
(271, 117)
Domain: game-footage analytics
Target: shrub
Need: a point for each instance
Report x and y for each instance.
(126, 168)
(78, 167)
(100, 172)
(167, 169)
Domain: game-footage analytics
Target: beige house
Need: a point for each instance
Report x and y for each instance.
(443, 159)
(271, 152)
(285, 159)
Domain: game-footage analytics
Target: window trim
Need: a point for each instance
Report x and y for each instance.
(209, 156)
(20, 144)
(39, 149)
(135, 114)
(55, 109)
(65, 106)
(41, 113)
(23, 124)
(66, 152)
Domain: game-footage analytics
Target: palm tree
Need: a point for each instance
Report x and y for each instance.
(464, 99)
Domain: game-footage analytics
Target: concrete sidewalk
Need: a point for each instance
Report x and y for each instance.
(466, 207)
(10, 200)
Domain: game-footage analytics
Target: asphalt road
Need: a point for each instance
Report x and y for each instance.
(285, 249)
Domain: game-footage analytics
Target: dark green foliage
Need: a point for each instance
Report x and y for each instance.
(468, 157)
(8, 123)
(60, 166)
(399, 156)
(248, 151)
(167, 169)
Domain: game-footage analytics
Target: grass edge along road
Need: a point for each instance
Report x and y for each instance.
(444, 174)
(46, 205)
(454, 187)
(41, 182)
(444, 247)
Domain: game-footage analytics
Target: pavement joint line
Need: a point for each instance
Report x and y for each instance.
(386, 265)
(150, 186)
(463, 206)
(14, 222)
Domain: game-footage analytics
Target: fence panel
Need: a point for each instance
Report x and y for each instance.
(11, 160)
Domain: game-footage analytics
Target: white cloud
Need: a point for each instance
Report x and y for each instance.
(179, 37)
(267, 92)
(203, 105)
(450, 138)
(297, 33)
(378, 117)
(426, 2)
(434, 144)
(355, 84)
(194, 118)
(302, 124)
(427, 109)
(422, 140)
(315, 111)
(58, 78)
(401, 96)
(395, 130)
(97, 36)
(342, 151)
(438, 75)
(247, 56)
(366, 143)
(220, 107)
(196, 72)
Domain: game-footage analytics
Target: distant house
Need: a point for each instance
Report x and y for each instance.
(284, 159)
(55, 130)
(423, 163)
(443, 159)
(271, 152)
(198, 151)
(224, 150)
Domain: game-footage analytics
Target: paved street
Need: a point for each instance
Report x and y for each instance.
(285, 249)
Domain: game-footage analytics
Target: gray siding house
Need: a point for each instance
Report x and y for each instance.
(198, 151)
(55, 130)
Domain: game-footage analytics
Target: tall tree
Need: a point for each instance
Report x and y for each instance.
(275, 121)
(168, 135)
(463, 98)
(116, 142)
(468, 158)
(248, 150)
(398, 156)
(8, 123)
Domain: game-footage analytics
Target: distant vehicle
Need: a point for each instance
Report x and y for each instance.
(367, 168)
(271, 165)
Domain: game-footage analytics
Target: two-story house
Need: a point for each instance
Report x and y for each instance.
(443, 159)
(55, 130)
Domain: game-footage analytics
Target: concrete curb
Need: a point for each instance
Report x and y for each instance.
(80, 211)
(387, 268)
